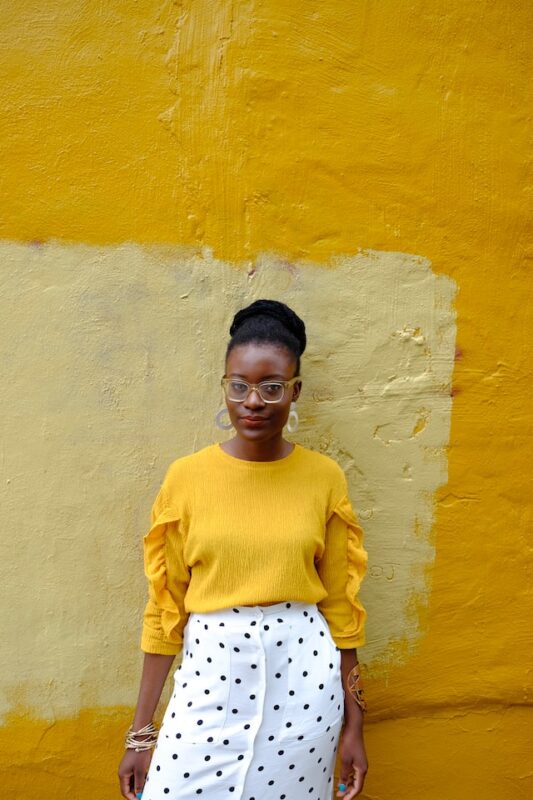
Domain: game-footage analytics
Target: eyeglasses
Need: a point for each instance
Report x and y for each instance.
(238, 390)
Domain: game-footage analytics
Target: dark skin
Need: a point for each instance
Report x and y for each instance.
(260, 442)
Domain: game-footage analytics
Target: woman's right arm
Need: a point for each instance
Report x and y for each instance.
(134, 765)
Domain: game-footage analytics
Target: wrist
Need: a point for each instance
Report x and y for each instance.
(353, 715)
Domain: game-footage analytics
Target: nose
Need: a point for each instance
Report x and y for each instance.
(254, 400)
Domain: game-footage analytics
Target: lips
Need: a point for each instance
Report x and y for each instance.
(253, 422)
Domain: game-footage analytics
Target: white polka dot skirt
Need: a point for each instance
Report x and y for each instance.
(256, 711)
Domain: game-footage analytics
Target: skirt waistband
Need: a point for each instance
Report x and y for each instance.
(282, 612)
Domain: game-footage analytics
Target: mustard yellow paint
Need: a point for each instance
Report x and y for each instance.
(313, 131)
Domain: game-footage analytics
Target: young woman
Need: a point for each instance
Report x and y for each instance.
(254, 561)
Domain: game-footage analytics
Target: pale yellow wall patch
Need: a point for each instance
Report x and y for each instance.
(112, 358)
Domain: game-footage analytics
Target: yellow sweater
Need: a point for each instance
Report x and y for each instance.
(229, 532)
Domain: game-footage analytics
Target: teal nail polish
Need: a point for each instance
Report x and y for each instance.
(139, 795)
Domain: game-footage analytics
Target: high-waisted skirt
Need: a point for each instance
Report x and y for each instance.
(256, 708)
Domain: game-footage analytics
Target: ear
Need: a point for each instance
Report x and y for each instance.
(296, 389)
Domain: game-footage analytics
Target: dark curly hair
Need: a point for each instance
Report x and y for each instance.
(269, 321)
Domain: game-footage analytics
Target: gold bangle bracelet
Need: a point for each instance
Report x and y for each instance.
(355, 687)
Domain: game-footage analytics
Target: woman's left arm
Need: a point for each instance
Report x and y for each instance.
(342, 568)
(354, 764)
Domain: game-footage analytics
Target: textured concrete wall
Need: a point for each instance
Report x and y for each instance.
(164, 163)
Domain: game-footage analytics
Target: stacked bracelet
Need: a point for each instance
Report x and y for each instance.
(355, 687)
(149, 732)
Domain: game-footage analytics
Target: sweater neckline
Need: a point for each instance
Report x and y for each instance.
(243, 462)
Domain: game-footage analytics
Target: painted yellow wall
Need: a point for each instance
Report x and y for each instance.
(162, 163)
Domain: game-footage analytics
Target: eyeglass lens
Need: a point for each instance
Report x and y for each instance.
(269, 392)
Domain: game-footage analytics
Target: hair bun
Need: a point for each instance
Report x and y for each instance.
(278, 311)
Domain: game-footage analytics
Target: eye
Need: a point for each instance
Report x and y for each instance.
(272, 388)
(238, 386)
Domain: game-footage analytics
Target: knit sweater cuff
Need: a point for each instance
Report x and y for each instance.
(154, 644)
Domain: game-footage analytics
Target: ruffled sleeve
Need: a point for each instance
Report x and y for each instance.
(341, 570)
(168, 577)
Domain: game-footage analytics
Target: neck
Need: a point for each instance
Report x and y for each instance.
(271, 450)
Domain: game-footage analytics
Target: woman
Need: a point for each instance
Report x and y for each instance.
(254, 561)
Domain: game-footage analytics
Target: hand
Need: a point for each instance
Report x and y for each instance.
(132, 772)
(354, 764)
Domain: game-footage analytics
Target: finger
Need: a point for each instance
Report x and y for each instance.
(140, 779)
(344, 779)
(125, 786)
(357, 786)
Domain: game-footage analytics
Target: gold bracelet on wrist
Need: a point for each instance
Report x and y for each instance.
(355, 687)
(150, 733)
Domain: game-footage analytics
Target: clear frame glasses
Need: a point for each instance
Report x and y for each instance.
(238, 390)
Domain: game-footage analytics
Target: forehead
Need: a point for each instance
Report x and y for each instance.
(255, 361)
